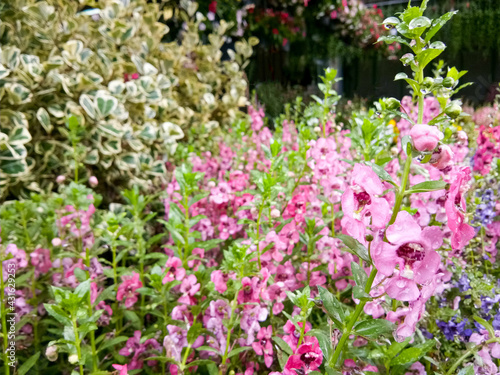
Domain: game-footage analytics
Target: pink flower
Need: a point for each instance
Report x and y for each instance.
(307, 358)
(293, 334)
(264, 345)
(220, 280)
(123, 369)
(425, 137)
(127, 289)
(455, 207)
(189, 287)
(442, 157)
(249, 290)
(361, 204)
(412, 249)
(175, 271)
(221, 193)
(40, 259)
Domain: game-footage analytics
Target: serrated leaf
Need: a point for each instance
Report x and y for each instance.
(355, 246)
(373, 327)
(283, 345)
(332, 306)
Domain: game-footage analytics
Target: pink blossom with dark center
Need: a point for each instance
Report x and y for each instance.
(308, 357)
(263, 345)
(413, 251)
(127, 289)
(174, 269)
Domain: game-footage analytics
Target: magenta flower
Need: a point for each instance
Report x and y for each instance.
(122, 369)
(127, 289)
(264, 345)
(307, 358)
(293, 334)
(249, 290)
(412, 249)
(455, 207)
(175, 271)
(221, 193)
(425, 137)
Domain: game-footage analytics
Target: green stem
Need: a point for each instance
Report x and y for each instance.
(302, 330)
(95, 359)
(258, 235)
(402, 189)
(186, 231)
(333, 220)
(77, 345)
(75, 159)
(352, 320)
(4, 322)
(229, 328)
(469, 352)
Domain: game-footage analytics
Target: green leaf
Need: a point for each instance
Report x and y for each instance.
(358, 292)
(283, 345)
(208, 349)
(88, 105)
(485, 324)
(426, 186)
(396, 347)
(437, 24)
(359, 274)
(28, 364)
(332, 306)
(430, 54)
(355, 246)
(236, 351)
(389, 39)
(469, 370)
(324, 340)
(373, 327)
(106, 104)
(44, 119)
(407, 356)
(199, 362)
(59, 314)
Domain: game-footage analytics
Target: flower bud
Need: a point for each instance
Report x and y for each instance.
(56, 242)
(51, 353)
(393, 104)
(317, 129)
(425, 137)
(369, 237)
(211, 184)
(428, 82)
(275, 213)
(60, 179)
(448, 82)
(73, 358)
(93, 181)
(453, 110)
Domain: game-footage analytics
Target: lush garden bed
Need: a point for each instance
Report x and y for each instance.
(153, 223)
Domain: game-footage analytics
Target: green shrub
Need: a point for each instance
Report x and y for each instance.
(57, 62)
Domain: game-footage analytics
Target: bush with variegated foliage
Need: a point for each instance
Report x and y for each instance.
(130, 96)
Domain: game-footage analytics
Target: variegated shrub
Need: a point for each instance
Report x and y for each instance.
(102, 94)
